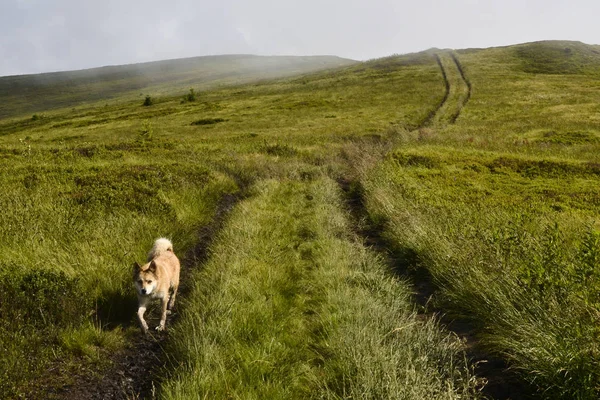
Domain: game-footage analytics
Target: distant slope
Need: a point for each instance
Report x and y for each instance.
(36, 93)
(559, 57)
(549, 57)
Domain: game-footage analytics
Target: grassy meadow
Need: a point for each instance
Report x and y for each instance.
(39, 93)
(303, 310)
(479, 167)
(88, 190)
(501, 209)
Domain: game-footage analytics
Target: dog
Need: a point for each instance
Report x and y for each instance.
(157, 279)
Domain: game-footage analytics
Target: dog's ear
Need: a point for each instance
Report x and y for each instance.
(152, 267)
(136, 267)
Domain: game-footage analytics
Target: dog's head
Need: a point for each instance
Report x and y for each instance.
(144, 277)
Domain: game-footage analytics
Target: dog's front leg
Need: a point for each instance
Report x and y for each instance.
(163, 318)
(140, 314)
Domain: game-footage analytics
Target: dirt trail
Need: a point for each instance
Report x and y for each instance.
(135, 371)
(464, 79)
(457, 94)
(501, 384)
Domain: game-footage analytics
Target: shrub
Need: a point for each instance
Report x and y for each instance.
(148, 101)
(191, 96)
(282, 150)
(41, 298)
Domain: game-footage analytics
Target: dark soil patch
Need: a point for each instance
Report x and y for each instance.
(208, 121)
(131, 375)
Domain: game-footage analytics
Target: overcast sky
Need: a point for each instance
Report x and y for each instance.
(52, 35)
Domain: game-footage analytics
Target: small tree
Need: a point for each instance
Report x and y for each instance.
(148, 101)
(191, 96)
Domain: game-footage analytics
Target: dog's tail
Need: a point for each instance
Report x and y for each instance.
(161, 246)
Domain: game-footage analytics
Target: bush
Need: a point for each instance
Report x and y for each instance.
(282, 150)
(41, 299)
(35, 305)
(191, 96)
(148, 101)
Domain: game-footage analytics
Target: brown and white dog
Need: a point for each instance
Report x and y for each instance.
(156, 280)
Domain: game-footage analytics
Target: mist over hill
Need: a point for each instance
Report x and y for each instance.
(22, 94)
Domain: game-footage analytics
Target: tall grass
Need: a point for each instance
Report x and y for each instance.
(501, 208)
(291, 305)
(88, 189)
(527, 277)
(69, 232)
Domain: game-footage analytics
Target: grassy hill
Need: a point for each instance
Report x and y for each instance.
(40, 92)
(307, 211)
(559, 57)
(501, 208)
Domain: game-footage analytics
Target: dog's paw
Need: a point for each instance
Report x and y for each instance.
(160, 328)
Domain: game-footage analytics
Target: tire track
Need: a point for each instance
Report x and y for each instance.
(463, 76)
(458, 91)
(435, 112)
(464, 102)
(136, 371)
(500, 382)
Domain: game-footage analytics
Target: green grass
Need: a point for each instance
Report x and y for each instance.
(70, 233)
(497, 236)
(22, 94)
(501, 208)
(74, 219)
(494, 192)
(291, 305)
(559, 57)
(89, 190)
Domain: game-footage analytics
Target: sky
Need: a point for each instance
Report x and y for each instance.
(56, 35)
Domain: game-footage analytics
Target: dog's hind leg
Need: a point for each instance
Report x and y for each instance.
(163, 319)
(172, 298)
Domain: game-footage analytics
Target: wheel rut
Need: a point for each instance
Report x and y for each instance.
(465, 82)
(501, 384)
(457, 91)
(434, 114)
(136, 371)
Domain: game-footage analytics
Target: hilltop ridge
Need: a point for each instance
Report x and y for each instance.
(20, 94)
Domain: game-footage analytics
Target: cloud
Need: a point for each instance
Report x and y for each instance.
(66, 34)
(48, 35)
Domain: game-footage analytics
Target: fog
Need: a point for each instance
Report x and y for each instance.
(53, 35)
